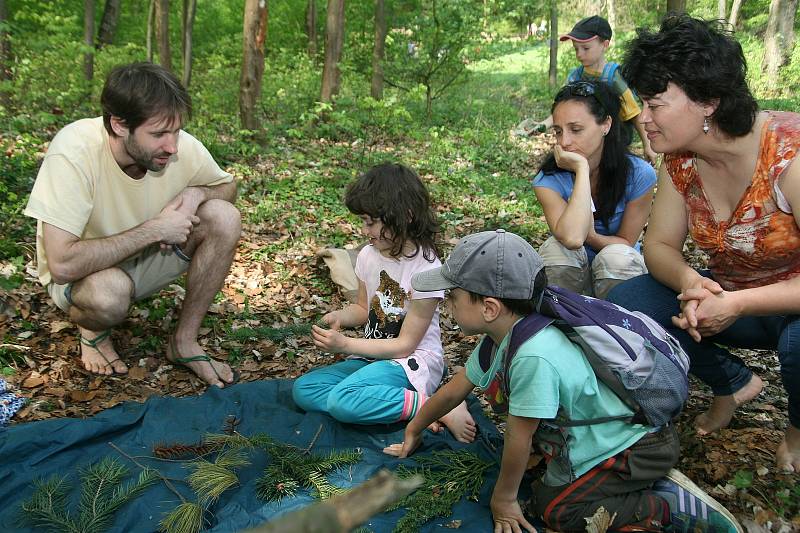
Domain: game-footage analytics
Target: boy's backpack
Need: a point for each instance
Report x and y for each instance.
(629, 352)
(607, 76)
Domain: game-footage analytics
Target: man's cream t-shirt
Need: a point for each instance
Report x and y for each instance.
(81, 189)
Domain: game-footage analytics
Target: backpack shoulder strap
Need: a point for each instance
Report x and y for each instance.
(522, 331)
(575, 74)
(609, 70)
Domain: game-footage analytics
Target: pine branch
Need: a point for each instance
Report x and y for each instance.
(46, 509)
(186, 518)
(210, 480)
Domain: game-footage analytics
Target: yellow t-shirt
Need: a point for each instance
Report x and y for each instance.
(81, 189)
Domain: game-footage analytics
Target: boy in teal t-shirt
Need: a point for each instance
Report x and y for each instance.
(496, 278)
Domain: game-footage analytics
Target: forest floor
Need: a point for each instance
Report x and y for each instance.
(290, 287)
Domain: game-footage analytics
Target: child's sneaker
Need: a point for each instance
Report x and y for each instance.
(691, 509)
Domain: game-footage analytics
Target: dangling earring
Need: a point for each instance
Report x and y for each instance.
(706, 125)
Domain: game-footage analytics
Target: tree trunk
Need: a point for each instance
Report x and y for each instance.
(311, 27)
(151, 22)
(345, 512)
(722, 9)
(735, 8)
(611, 7)
(6, 58)
(162, 34)
(779, 39)
(88, 39)
(334, 37)
(676, 6)
(553, 73)
(108, 24)
(189, 10)
(256, 13)
(378, 51)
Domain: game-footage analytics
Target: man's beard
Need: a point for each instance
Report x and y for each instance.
(143, 158)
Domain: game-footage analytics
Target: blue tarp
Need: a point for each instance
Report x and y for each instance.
(62, 446)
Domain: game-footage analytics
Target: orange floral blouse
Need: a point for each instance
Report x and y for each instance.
(760, 243)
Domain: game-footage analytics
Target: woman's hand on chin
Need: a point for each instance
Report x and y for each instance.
(570, 161)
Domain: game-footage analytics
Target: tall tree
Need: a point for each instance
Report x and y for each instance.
(162, 34)
(311, 27)
(256, 13)
(779, 38)
(189, 10)
(108, 24)
(151, 22)
(676, 6)
(611, 8)
(553, 73)
(722, 9)
(334, 38)
(88, 39)
(734, 16)
(378, 50)
(6, 58)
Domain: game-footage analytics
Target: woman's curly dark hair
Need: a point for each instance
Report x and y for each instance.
(614, 163)
(394, 194)
(703, 59)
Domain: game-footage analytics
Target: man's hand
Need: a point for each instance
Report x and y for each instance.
(189, 200)
(172, 225)
(411, 442)
(508, 517)
(329, 340)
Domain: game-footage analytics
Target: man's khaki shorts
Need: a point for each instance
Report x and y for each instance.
(151, 270)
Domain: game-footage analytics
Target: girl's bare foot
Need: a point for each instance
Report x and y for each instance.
(98, 354)
(788, 454)
(460, 423)
(721, 411)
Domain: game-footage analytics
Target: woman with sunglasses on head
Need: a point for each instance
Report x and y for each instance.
(729, 182)
(595, 194)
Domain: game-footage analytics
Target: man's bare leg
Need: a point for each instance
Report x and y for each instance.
(721, 411)
(100, 302)
(788, 454)
(211, 246)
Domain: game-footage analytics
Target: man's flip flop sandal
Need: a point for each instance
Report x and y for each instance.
(200, 358)
(93, 343)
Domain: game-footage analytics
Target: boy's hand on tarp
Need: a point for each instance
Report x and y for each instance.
(508, 517)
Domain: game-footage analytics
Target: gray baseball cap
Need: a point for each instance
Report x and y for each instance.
(490, 263)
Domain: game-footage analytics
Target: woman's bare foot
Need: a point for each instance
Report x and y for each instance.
(460, 423)
(788, 455)
(721, 411)
(98, 354)
(208, 369)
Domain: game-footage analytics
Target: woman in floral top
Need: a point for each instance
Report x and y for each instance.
(727, 180)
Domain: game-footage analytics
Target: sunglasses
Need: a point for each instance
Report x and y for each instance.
(579, 88)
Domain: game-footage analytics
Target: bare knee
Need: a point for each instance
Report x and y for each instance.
(105, 295)
(221, 220)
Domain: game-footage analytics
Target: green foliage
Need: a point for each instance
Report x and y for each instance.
(210, 479)
(448, 477)
(273, 334)
(102, 494)
(743, 479)
(185, 518)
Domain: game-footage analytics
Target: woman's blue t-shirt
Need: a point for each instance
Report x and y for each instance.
(641, 180)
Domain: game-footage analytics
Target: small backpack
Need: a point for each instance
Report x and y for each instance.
(629, 351)
(607, 76)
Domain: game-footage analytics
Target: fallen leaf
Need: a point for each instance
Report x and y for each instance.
(34, 380)
(82, 396)
(137, 372)
(59, 325)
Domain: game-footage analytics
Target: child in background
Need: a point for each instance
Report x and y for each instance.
(591, 37)
(399, 362)
(496, 279)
